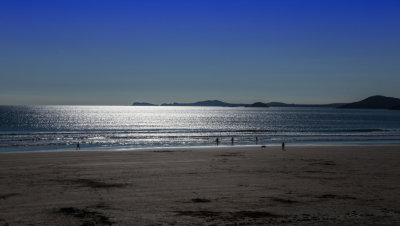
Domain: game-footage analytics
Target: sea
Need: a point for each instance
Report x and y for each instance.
(41, 128)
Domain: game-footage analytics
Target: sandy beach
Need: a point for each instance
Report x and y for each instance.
(304, 185)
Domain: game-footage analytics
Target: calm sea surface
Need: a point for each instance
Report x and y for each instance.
(27, 128)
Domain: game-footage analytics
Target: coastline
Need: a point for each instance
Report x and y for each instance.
(83, 147)
(304, 185)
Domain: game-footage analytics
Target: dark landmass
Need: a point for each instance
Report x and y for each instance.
(142, 104)
(279, 104)
(375, 102)
(210, 103)
(259, 105)
(216, 103)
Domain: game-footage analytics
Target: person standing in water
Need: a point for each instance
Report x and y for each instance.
(283, 146)
(256, 140)
(232, 140)
(78, 146)
(217, 141)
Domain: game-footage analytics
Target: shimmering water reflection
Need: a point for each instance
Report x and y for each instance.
(59, 127)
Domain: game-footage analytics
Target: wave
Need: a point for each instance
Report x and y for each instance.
(47, 127)
(57, 139)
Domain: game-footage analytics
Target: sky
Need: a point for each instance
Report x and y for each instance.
(240, 51)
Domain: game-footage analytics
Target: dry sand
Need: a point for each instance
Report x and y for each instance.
(309, 185)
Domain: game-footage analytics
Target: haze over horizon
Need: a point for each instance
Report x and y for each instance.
(119, 52)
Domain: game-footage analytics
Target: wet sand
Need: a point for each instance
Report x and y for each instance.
(304, 185)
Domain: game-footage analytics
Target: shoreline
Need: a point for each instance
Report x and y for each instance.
(199, 147)
(304, 185)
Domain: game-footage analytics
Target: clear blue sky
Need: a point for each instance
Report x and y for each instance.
(116, 52)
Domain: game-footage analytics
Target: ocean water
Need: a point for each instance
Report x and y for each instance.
(30, 128)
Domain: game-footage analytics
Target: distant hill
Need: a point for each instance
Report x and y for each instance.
(375, 102)
(216, 103)
(211, 103)
(259, 105)
(206, 103)
(142, 104)
(279, 104)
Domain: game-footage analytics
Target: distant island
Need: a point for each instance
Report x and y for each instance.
(373, 102)
(217, 103)
(207, 103)
(142, 104)
(279, 104)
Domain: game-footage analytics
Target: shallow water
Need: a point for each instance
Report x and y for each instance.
(25, 128)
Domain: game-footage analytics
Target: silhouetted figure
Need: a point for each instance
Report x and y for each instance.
(256, 140)
(217, 141)
(232, 140)
(78, 146)
(283, 146)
